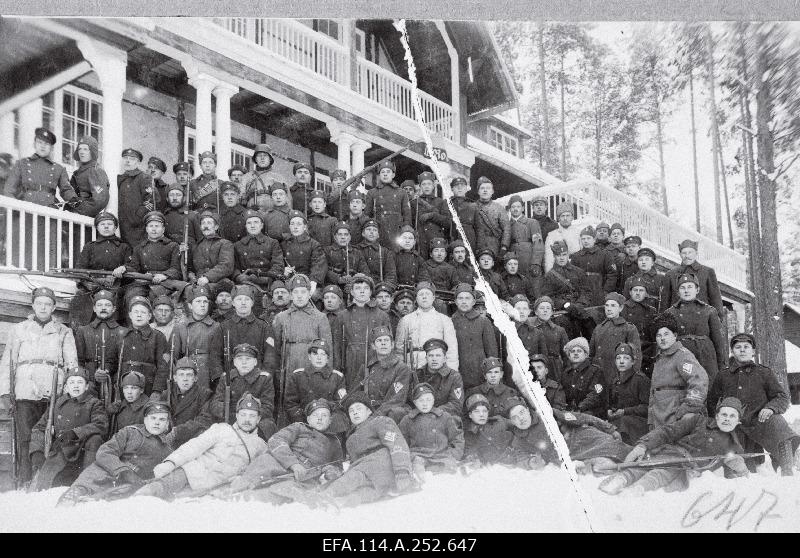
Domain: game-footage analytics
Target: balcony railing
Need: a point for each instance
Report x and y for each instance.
(327, 58)
(36, 237)
(597, 202)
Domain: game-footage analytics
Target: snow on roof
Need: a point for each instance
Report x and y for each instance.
(792, 357)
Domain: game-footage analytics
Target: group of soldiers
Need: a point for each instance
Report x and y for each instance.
(249, 337)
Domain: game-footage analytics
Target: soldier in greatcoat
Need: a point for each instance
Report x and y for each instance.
(706, 279)
(388, 204)
(475, 335)
(200, 338)
(611, 332)
(205, 193)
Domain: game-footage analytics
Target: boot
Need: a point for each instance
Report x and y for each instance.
(152, 489)
(614, 484)
(72, 496)
(785, 458)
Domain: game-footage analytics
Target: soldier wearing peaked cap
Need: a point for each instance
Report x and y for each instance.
(546, 224)
(601, 271)
(466, 210)
(353, 215)
(526, 240)
(443, 382)
(300, 191)
(516, 281)
(204, 190)
(628, 395)
(425, 323)
(321, 226)
(213, 257)
(302, 253)
(410, 266)
(706, 279)
(389, 205)
(493, 389)
(458, 258)
(380, 260)
(136, 198)
(653, 281)
(568, 287)
(232, 213)
(611, 332)
(338, 199)
(431, 215)
(255, 187)
(492, 227)
(258, 258)
(344, 260)
(244, 327)
(628, 266)
(442, 274)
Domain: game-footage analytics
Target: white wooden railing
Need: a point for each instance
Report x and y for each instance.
(37, 237)
(597, 202)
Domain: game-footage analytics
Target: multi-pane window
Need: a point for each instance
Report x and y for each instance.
(240, 155)
(81, 116)
(504, 142)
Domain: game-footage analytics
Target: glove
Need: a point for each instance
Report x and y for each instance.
(331, 473)
(682, 411)
(636, 454)
(101, 376)
(129, 477)
(765, 414)
(37, 460)
(404, 482)
(67, 437)
(299, 471)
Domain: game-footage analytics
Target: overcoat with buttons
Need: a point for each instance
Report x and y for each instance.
(89, 346)
(605, 338)
(585, 388)
(388, 204)
(629, 391)
(202, 341)
(380, 260)
(679, 385)
(700, 331)
(476, 341)
(709, 287)
(433, 435)
(351, 343)
(321, 227)
(527, 243)
(261, 253)
(601, 272)
(304, 385)
(146, 351)
(468, 216)
(124, 413)
(411, 268)
(295, 328)
(106, 253)
(498, 396)
(654, 284)
(387, 383)
(205, 193)
(187, 412)
(276, 223)
(554, 338)
(90, 183)
(448, 388)
(344, 260)
(213, 258)
(135, 191)
(232, 223)
(306, 256)
(258, 383)
(156, 256)
(36, 179)
(489, 443)
(84, 415)
(377, 449)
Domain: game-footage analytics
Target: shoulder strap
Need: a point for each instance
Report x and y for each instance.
(246, 449)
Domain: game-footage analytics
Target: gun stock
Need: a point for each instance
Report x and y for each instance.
(49, 431)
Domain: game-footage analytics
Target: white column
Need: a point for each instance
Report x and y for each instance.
(223, 92)
(344, 143)
(30, 118)
(359, 148)
(7, 134)
(204, 84)
(109, 64)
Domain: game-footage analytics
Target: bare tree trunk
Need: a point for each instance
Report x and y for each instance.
(660, 139)
(725, 193)
(709, 55)
(544, 132)
(771, 292)
(598, 128)
(563, 124)
(694, 153)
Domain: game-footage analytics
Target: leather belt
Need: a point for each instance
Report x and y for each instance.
(37, 361)
(672, 388)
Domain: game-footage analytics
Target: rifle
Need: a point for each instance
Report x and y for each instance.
(282, 383)
(105, 393)
(311, 473)
(49, 430)
(117, 391)
(356, 178)
(226, 375)
(12, 411)
(185, 258)
(380, 261)
(171, 370)
(668, 462)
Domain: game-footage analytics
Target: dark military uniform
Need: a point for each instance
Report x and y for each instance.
(554, 392)
(496, 283)
(411, 268)
(122, 413)
(146, 351)
(89, 343)
(448, 388)
(261, 254)
(256, 188)
(232, 221)
(701, 333)
(601, 272)
(468, 216)
(344, 262)
(434, 437)
(90, 183)
(707, 279)
(546, 224)
(162, 191)
(630, 392)
(300, 197)
(642, 315)
(654, 284)
(213, 258)
(305, 385)
(106, 253)
(554, 337)
(175, 223)
(526, 242)
(154, 256)
(306, 256)
(492, 228)
(321, 227)
(381, 262)
(617, 252)
(531, 337)
(465, 273)
(187, 413)
(498, 396)
(386, 384)
(442, 274)
(355, 226)
(433, 220)
(627, 268)
(201, 341)
(258, 383)
(350, 333)
(569, 284)
(519, 284)
(476, 341)
(605, 337)
(205, 193)
(489, 443)
(255, 332)
(276, 223)
(584, 388)
(35, 179)
(388, 204)
(135, 191)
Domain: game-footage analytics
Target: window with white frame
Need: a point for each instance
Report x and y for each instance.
(322, 182)
(503, 141)
(240, 155)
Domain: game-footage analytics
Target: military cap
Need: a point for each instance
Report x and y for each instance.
(588, 231)
(646, 252)
(363, 278)
(223, 286)
(299, 280)
(688, 278)
(79, 372)
(564, 207)
(518, 298)
(542, 300)
(514, 199)
(140, 300)
(463, 288)
(356, 195)
(211, 215)
(511, 402)
(133, 378)
(559, 247)
(43, 291)
(341, 225)
(637, 281)
(183, 166)
(6, 160)
(510, 256)
(105, 216)
(407, 229)
(338, 173)
(475, 400)
(438, 243)
(297, 166)
(176, 187)
(333, 289)
(245, 349)
(380, 331)
(458, 180)
(617, 226)
(386, 165)
(319, 345)
(404, 293)
(244, 290)
(235, 168)
(731, 402)
(667, 321)
(425, 286)
(687, 244)
(153, 407)
(261, 148)
(228, 186)
(539, 199)
(539, 357)
(384, 287)
(602, 225)
(434, 343)
(275, 186)
(155, 216)
(157, 163)
(103, 294)
(490, 363)
(458, 243)
(370, 223)
(427, 175)
(743, 338)
(317, 404)
(408, 184)
(197, 291)
(420, 390)
(293, 214)
(618, 298)
(207, 155)
(577, 342)
(356, 397)
(46, 135)
(633, 239)
(484, 180)
(277, 285)
(624, 349)
(131, 152)
(316, 194)
(486, 252)
(248, 402)
(253, 213)
(186, 363)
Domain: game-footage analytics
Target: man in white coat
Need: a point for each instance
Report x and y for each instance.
(422, 324)
(567, 231)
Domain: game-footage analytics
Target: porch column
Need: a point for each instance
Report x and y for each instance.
(109, 64)
(359, 148)
(204, 84)
(7, 133)
(223, 92)
(30, 118)
(344, 143)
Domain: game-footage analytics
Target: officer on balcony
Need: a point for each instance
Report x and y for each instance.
(36, 178)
